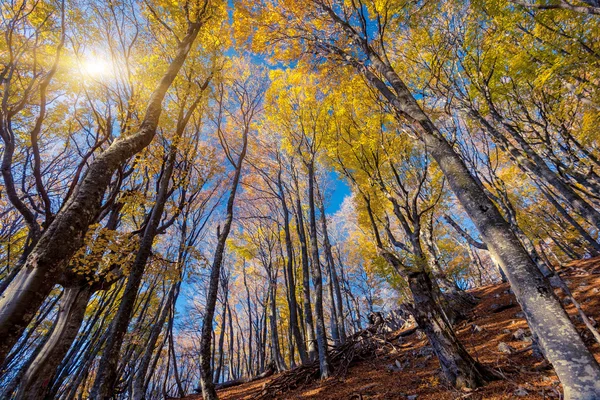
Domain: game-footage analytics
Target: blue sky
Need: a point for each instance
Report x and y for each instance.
(338, 192)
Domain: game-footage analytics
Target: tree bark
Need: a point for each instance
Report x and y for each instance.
(206, 382)
(139, 379)
(291, 282)
(40, 373)
(461, 370)
(339, 306)
(317, 275)
(277, 358)
(106, 377)
(220, 350)
(308, 317)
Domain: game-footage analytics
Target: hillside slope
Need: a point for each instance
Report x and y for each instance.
(495, 324)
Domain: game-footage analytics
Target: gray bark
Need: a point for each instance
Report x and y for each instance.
(206, 382)
(317, 276)
(40, 373)
(308, 317)
(291, 282)
(334, 281)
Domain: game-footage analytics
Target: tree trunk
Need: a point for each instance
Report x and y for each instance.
(458, 366)
(308, 318)
(106, 377)
(219, 350)
(139, 380)
(558, 337)
(339, 306)
(275, 348)
(206, 382)
(317, 276)
(232, 373)
(39, 375)
(461, 370)
(250, 323)
(291, 282)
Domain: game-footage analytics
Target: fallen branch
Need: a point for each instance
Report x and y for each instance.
(270, 370)
(362, 344)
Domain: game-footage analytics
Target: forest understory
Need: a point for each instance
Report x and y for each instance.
(496, 319)
(342, 199)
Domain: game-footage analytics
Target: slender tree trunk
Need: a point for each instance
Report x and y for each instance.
(219, 361)
(206, 382)
(139, 380)
(339, 306)
(291, 282)
(231, 341)
(178, 382)
(308, 318)
(317, 276)
(275, 348)
(250, 330)
(39, 374)
(106, 378)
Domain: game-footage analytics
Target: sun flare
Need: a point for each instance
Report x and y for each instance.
(96, 67)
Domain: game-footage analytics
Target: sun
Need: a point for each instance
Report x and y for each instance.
(96, 67)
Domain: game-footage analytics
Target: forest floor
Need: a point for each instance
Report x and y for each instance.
(495, 319)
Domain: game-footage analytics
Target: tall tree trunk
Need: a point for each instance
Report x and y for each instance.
(39, 375)
(558, 337)
(106, 377)
(206, 382)
(317, 276)
(219, 349)
(65, 235)
(178, 382)
(275, 347)
(250, 323)
(339, 306)
(230, 341)
(291, 282)
(139, 380)
(308, 317)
